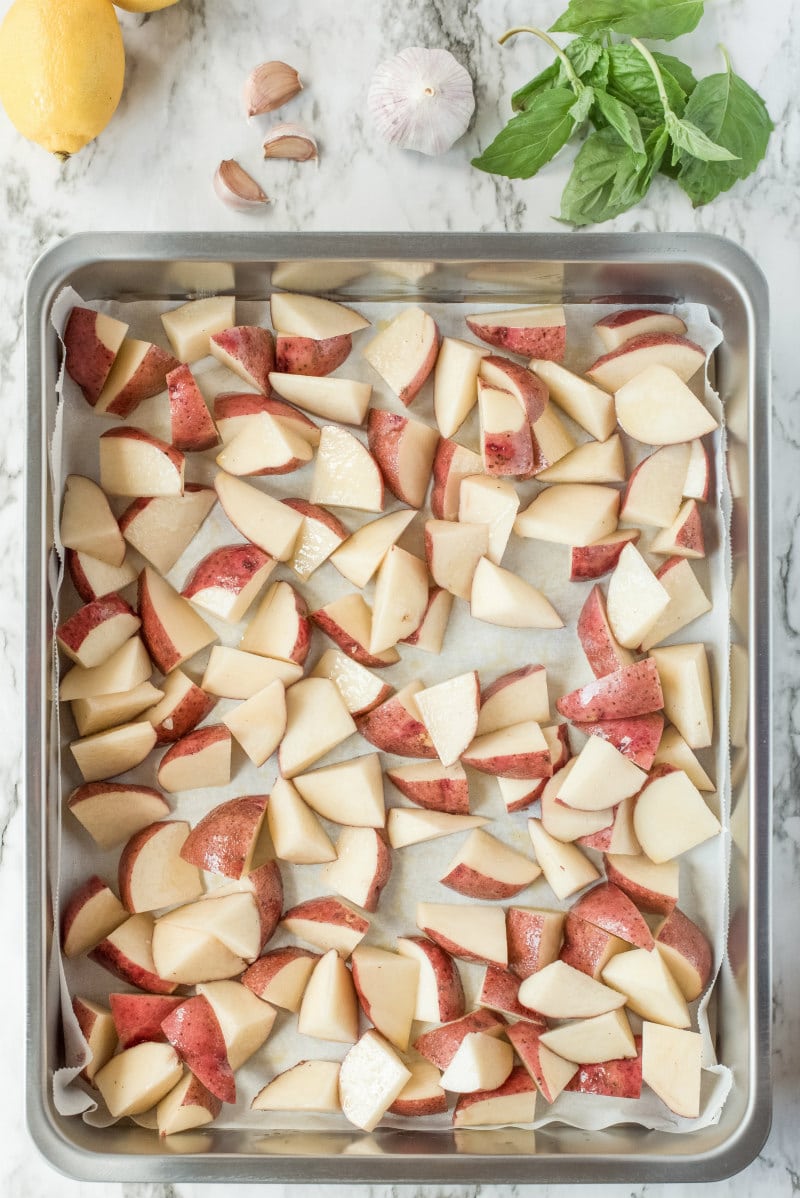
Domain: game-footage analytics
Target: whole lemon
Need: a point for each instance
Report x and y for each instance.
(62, 66)
(144, 5)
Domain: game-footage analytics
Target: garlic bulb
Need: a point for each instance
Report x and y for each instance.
(236, 188)
(290, 141)
(270, 85)
(421, 100)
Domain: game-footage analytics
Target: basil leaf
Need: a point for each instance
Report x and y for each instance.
(631, 80)
(605, 180)
(582, 106)
(545, 80)
(683, 75)
(727, 109)
(532, 138)
(583, 53)
(691, 139)
(659, 19)
(598, 76)
(622, 118)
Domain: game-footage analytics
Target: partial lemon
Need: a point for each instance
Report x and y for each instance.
(62, 66)
(144, 5)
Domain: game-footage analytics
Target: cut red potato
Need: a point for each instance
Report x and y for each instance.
(441, 1044)
(296, 833)
(615, 1079)
(684, 537)
(404, 352)
(345, 473)
(618, 837)
(651, 887)
(471, 933)
(455, 384)
(234, 410)
(259, 517)
(233, 674)
(266, 446)
(199, 759)
(189, 1105)
(386, 985)
(152, 872)
(588, 948)
(136, 1079)
(226, 581)
(481, 1062)
(636, 599)
(452, 551)
(422, 1094)
(329, 1007)
(139, 371)
(672, 1067)
(500, 597)
(519, 751)
(631, 690)
(115, 751)
(654, 490)
(320, 533)
(685, 677)
(637, 738)
(647, 987)
(540, 331)
(642, 350)
(565, 823)
(619, 327)
(592, 462)
(361, 554)
(259, 723)
(506, 445)
(112, 811)
(588, 562)
(519, 793)
(194, 1032)
(534, 938)
(570, 514)
(451, 465)
(404, 450)
(603, 652)
(245, 1020)
(93, 578)
(590, 1041)
(91, 342)
(449, 711)
(348, 622)
(160, 528)
(172, 630)
(190, 326)
(316, 722)
(490, 501)
(362, 867)
(248, 351)
(585, 403)
(92, 912)
(697, 483)
(432, 785)
(188, 956)
(396, 725)
(265, 884)
(280, 976)
(349, 792)
(686, 951)
(440, 992)
(551, 439)
(183, 705)
(513, 698)
(95, 631)
(232, 919)
(127, 953)
(133, 462)
(97, 1027)
(137, 1017)
(400, 601)
(311, 1086)
(687, 601)
(405, 825)
(371, 1077)
(99, 712)
(361, 691)
(191, 423)
(550, 1072)
(87, 523)
(280, 628)
(500, 992)
(310, 316)
(229, 840)
(565, 868)
(307, 355)
(339, 399)
(327, 923)
(600, 777)
(521, 383)
(671, 816)
(673, 750)
(560, 992)
(657, 407)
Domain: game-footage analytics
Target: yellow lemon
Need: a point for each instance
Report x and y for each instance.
(62, 66)
(144, 5)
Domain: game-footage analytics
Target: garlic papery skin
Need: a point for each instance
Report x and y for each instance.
(237, 189)
(290, 141)
(270, 85)
(421, 100)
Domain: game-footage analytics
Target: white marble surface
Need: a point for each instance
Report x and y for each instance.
(152, 169)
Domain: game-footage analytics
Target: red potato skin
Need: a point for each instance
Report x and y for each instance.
(88, 360)
(585, 946)
(629, 316)
(680, 933)
(532, 392)
(505, 680)
(87, 1018)
(138, 1017)
(392, 728)
(637, 738)
(73, 631)
(621, 1078)
(646, 900)
(524, 936)
(88, 790)
(383, 871)
(262, 972)
(198, 1096)
(519, 1081)
(385, 432)
(186, 715)
(196, 741)
(305, 355)
(630, 691)
(524, 1038)
(191, 423)
(221, 840)
(499, 992)
(690, 535)
(520, 766)
(433, 597)
(194, 1032)
(77, 901)
(409, 393)
(302, 643)
(329, 909)
(314, 511)
(596, 637)
(135, 508)
(346, 643)
(110, 957)
(148, 380)
(435, 1104)
(608, 907)
(549, 344)
(508, 453)
(444, 496)
(266, 885)
(127, 859)
(449, 986)
(456, 950)
(588, 562)
(230, 567)
(440, 1045)
(253, 349)
(645, 341)
(230, 404)
(79, 580)
(527, 800)
(450, 795)
(468, 881)
(138, 434)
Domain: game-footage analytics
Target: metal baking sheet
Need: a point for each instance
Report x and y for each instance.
(495, 269)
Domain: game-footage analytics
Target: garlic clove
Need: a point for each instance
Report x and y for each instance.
(290, 141)
(270, 85)
(421, 100)
(237, 189)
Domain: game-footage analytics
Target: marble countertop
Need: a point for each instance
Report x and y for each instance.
(152, 169)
